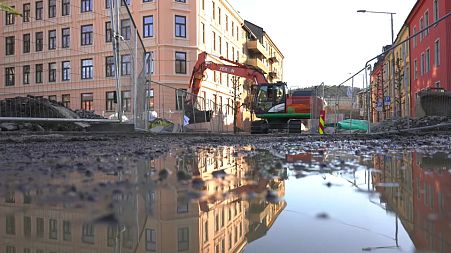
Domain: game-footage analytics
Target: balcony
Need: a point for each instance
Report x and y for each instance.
(274, 75)
(258, 63)
(273, 59)
(256, 47)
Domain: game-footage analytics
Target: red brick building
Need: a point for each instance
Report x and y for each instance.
(430, 51)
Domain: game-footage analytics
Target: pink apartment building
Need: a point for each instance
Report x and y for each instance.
(62, 50)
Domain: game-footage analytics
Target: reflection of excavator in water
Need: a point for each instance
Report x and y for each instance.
(271, 102)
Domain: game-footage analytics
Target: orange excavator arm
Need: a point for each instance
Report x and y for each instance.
(237, 69)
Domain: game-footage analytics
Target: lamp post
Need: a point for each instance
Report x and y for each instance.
(391, 18)
(392, 63)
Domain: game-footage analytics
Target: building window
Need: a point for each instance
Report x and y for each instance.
(150, 64)
(414, 38)
(108, 32)
(436, 10)
(39, 41)
(415, 69)
(109, 66)
(213, 9)
(213, 36)
(86, 35)
(87, 101)
(26, 74)
(126, 29)
(10, 76)
(65, 8)
(52, 39)
(180, 96)
(126, 101)
(426, 18)
(67, 233)
(10, 224)
(39, 8)
(428, 60)
(180, 62)
(437, 84)
(220, 44)
(66, 102)
(180, 26)
(147, 1)
(151, 240)
(39, 227)
(227, 23)
(219, 15)
(423, 65)
(26, 43)
(26, 13)
(10, 45)
(10, 17)
(52, 72)
(87, 69)
(27, 226)
(181, 1)
(87, 234)
(66, 70)
(86, 5)
(148, 26)
(65, 37)
(110, 101)
(53, 229)
(183, 239)
(203, 33)
(111, 235)
(126, 65)
(182, 199)
(52, 8)
(421, 29)
(52, 98)
(38, 68)
(437, 53)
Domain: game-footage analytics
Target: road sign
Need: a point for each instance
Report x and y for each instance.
(379, 105)
(387, 100)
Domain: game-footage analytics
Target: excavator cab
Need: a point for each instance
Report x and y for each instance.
(270, 98)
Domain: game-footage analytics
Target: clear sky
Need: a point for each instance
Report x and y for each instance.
(325, 40)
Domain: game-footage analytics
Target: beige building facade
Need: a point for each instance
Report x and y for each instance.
(62, 50)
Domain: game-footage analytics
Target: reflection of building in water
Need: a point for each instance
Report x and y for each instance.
(422, 198)
(158, 217)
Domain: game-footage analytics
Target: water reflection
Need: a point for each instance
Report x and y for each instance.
(210, 199)
(200, 200)
(421, 198)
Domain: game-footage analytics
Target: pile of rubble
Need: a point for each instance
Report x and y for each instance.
(84, 114)
(403, 123)
(37, 107)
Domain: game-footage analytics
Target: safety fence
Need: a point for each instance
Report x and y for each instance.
(96, 67)
(182, 111)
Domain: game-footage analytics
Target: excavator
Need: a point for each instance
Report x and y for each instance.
(271, 103)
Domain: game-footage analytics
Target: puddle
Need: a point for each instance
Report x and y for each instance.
(229, 199)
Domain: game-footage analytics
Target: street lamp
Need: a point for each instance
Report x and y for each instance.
(383, 12)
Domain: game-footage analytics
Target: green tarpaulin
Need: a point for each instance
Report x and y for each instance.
(355, 125)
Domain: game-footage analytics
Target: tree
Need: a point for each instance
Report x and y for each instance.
(398, 82)
(7, 8)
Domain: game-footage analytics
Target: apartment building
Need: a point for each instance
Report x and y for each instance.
(62, 50)
(263, 53)
(430, 50)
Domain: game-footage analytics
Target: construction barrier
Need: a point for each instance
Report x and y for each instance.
(322, 120)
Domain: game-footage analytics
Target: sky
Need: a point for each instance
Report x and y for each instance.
(325, 40)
